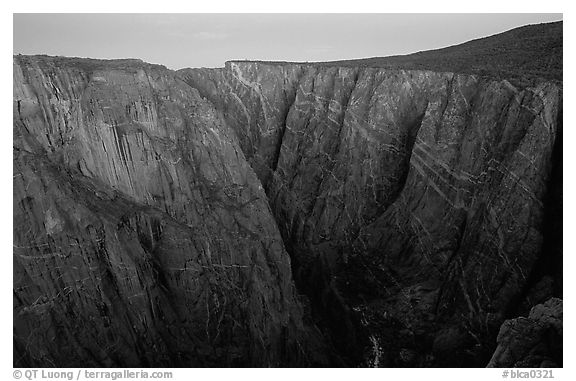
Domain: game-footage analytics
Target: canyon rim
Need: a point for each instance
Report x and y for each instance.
(388, 212)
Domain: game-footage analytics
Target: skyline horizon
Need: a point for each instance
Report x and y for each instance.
(225, 38)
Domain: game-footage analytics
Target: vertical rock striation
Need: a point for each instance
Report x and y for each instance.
(169, 218)
(142, 237)
(412, 202)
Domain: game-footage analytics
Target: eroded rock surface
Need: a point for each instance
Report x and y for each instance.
(411, 202)
(533, 341)
(142, 237)
(164, 218)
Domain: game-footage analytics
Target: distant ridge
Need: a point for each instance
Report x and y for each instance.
(521, 55)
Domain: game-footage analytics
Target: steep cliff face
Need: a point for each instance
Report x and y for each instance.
(411, 202)
(162, 218)
(142, 237)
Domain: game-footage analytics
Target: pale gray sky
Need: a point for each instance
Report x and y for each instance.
(208, 40)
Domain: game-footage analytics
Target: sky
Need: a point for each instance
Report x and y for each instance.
(209, 40)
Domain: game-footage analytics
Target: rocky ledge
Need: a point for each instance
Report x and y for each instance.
(531, 342)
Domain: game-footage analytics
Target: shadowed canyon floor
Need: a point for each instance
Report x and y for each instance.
(286, 214)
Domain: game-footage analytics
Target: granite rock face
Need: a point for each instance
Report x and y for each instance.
(173, 218)
(142, 237)
(533, 341)
(412, 202)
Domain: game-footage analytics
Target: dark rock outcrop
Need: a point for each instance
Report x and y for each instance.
(533, 341)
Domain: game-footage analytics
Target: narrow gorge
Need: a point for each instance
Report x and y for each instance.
(273, 214)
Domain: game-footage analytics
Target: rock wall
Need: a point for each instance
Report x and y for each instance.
(412, 202)
(531, 342)
(164, 218)
(142, 237)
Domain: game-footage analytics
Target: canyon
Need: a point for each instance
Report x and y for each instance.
(273, 214)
